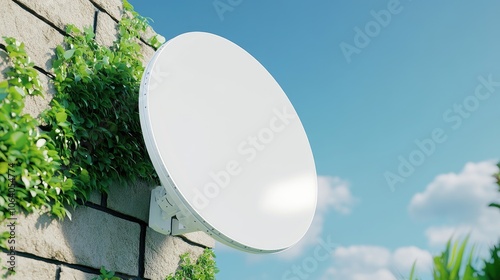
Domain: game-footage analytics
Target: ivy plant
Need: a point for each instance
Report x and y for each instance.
(89, 137)
(30, 167)
(203, 269)
(94, 113)
(91, 133)
(106, 275)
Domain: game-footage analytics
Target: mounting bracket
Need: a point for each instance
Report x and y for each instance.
(166, 217)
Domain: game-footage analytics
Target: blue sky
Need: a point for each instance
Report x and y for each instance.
(427, 73)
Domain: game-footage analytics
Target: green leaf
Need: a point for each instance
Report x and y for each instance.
(494, 205)
(61, 117)
(4, 168)
(84, 176)
(20, 90)
(457, 258)
(4, 85)
(69, 53)
(413, 272)
(18, 139)
(68, 214)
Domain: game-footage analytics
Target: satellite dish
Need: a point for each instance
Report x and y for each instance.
(228, 147)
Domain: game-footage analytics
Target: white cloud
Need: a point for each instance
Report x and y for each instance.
(461, 200)
(485, 231)
(362, 257)
(381, 274)
(333, 193)
(457, 197)
(404, 257)
(375, 262)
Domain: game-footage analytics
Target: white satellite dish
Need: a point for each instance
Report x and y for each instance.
(228, 147)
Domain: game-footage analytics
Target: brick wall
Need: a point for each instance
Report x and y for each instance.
(110, 230)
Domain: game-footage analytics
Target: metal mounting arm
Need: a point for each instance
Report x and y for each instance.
(165, 217)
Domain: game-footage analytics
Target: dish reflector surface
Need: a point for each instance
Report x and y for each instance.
(227, 143)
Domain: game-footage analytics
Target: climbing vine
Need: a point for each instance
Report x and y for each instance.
(89, 137)
(94, 113)
(204, 269)
(30, 168)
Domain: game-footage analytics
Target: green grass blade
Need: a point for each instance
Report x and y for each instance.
(412, 272)
(440, 271)
(457, 257)
(441, 263)
(470, 272)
